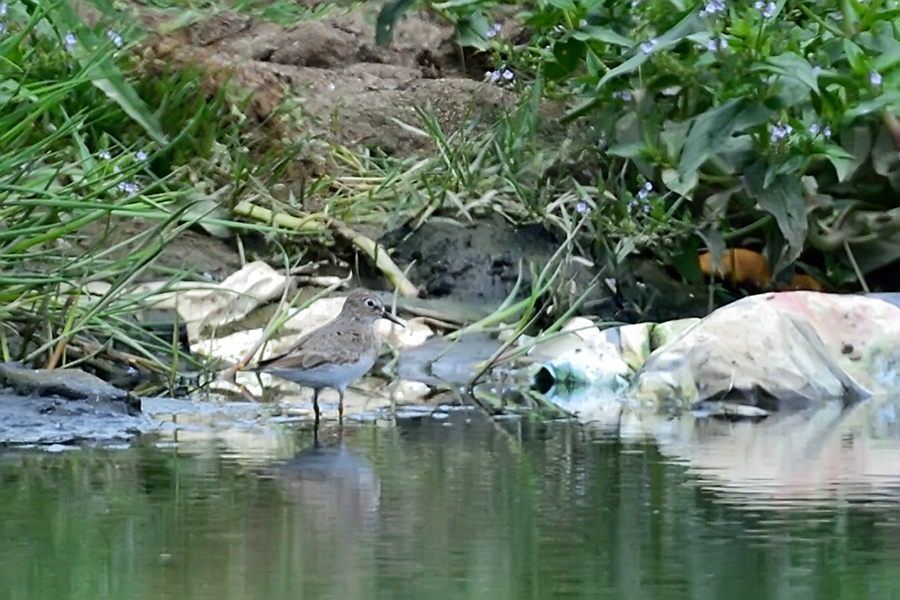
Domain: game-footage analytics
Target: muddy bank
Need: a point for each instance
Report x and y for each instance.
(480, 262)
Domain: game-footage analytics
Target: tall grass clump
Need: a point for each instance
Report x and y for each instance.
(84, 147)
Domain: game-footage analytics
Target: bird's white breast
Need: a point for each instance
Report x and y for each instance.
(328, 375)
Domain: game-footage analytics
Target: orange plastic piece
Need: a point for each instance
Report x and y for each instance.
(806, 282)
(743, 266)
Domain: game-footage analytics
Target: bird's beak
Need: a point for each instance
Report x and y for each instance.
(386, 315)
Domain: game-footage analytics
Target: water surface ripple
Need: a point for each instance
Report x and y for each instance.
(440, 509)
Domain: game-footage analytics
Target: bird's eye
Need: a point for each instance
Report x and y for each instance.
(370, 303)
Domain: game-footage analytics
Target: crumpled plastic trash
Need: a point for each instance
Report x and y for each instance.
(765, 353)
(779, 351)
(580, 355)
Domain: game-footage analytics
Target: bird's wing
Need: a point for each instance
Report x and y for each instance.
(310, 351)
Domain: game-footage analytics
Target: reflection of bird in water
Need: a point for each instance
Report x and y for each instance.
(336, 483)
(316, 534)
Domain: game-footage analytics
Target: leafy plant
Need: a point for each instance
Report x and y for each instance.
(768, 124)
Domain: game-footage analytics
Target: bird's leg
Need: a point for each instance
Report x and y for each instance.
(316, 406)
(341, 407)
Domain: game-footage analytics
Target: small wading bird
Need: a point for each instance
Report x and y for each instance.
(336, 354)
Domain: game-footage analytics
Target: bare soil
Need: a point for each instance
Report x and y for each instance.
(352, 93)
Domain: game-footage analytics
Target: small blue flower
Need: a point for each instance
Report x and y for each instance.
(645, 191)
(3, 9)
(581, 208)
(493, 30)
(715, 6)
(649, 46)
(140, 155)
(496, 76)
(115, 38)
(875, 78)
(104, 154)
(623, 95)
(129, 188)
(781, 131)
(70, 41)
(815, 129)
(715, 45)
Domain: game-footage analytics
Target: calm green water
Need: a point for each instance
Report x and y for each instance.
(430, 509)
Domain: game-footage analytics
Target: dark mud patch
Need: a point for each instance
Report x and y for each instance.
(480, 262)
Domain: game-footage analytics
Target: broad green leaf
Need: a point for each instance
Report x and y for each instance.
(793, 66)
(716, 206)
(889, 99)
(569, 53)
(858, 142)
(682, 187)
(387, 19)
(715, 245)
(471, 30)
(844, 163)
(712, 129)
(784, 201)
(673, 136)
(855, 57)
(602, 34)
(593, 62)
(793, 164)
(887, 60)
(631, 150)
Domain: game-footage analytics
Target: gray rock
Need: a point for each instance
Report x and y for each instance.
(72, 384)
(65, 406)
